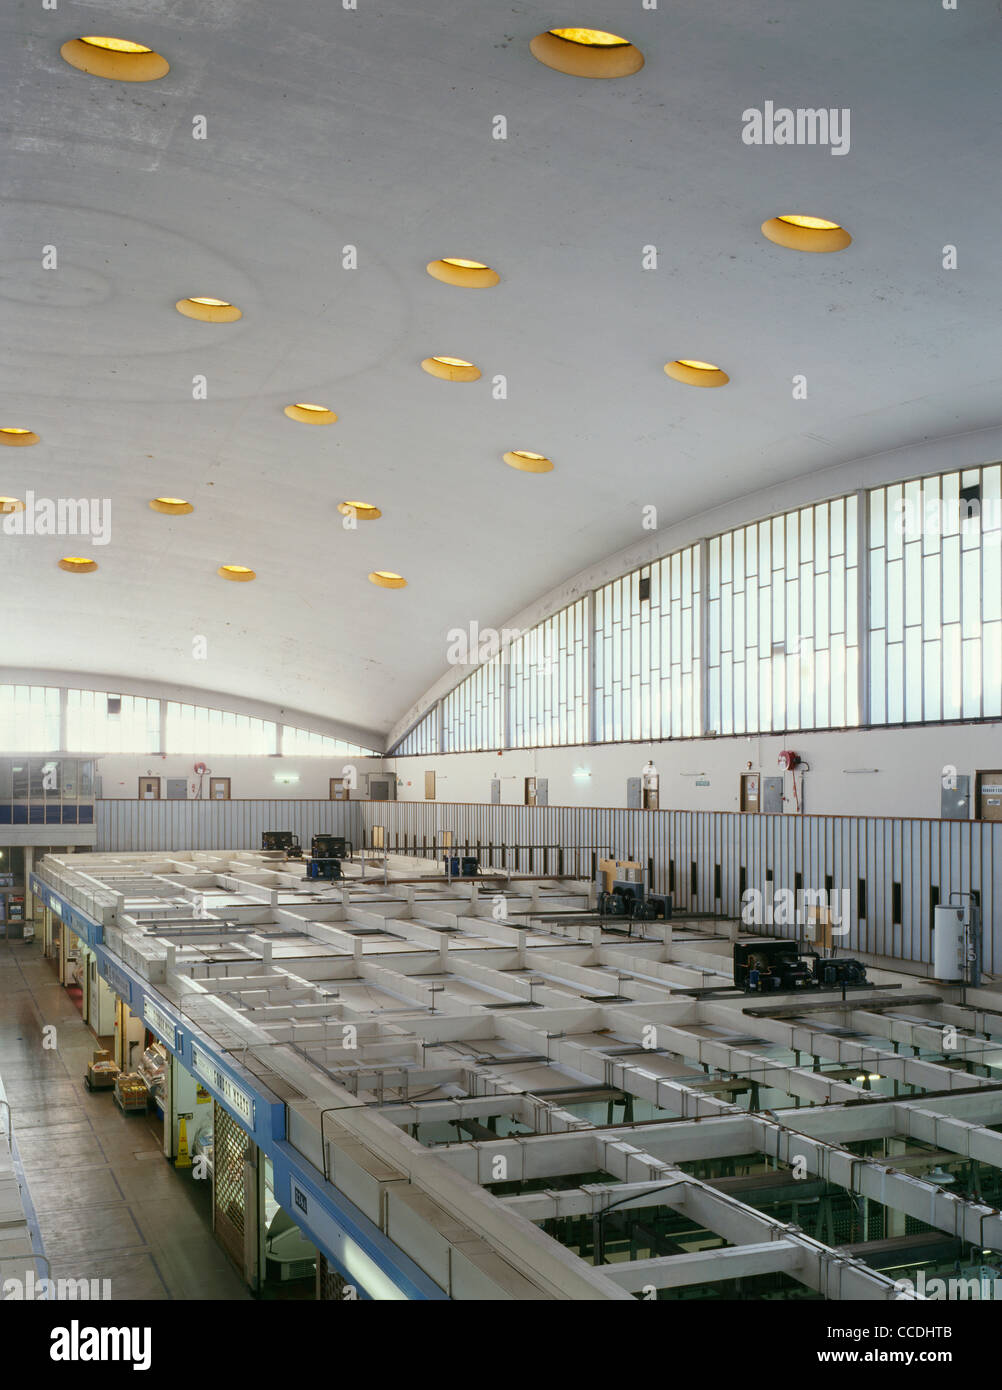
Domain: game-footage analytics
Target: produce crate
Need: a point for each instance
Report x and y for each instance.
(131, 1094)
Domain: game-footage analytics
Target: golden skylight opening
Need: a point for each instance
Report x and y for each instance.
(10, 504)
(799, 232)
(309, 414)
(77, 564)
(240, 574)
(692, 372)
(582, 52)
(16, 437)
(208, 310)
(468, 275)
(451, 369)
(362, 511)
(387, 579)
(119, 60)
(528, 462)
(171, 506)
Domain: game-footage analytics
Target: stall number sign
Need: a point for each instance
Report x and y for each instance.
(160, 1023)
(219, 1081)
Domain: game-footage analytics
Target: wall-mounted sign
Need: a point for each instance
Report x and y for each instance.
(702, 782)
(218, 1081)
(160, 1023)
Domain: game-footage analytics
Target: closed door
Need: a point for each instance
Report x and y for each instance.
(530, 791)
(219, 789)
(149, 789)
(429, 786)
(339, 791)
(989, 795)
(749, 791)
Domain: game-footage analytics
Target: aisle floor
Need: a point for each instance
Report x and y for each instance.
(109, 1205)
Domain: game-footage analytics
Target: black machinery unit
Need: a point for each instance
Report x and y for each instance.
(326, 854)
(284, 840)
(763, 966)
(463, 866)
(631, 899)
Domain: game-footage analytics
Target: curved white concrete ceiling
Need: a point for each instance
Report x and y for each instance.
(373, 127)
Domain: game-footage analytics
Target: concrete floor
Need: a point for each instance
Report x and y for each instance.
(109, 1204)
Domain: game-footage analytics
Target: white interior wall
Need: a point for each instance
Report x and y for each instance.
(907, 781)
(251, 777)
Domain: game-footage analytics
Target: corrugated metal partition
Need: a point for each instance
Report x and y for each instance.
(156, 825)
(894, 870)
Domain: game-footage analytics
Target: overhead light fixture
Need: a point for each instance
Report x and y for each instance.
(172, 506)
(120, 60)
(451, 369)
(11, 504)
(240, 574)
(940, 1177)
(801, 233)
(363, 511)
(386, 579)
(469, 275)
(77, 564)
(208, 310)
(695, 373)
(586, 53)
(17, 437)
(527, 462)
(309, 414)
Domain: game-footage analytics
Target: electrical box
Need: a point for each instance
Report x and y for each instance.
(495, 791)
(772, 796)
(177, 789)
(633, 795)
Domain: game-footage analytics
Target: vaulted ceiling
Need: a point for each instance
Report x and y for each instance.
(373, 128)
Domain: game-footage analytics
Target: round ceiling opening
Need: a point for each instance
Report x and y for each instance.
(240, 574)
(468, 275)
(171, 506)
(695, 373)
(451, 369)
(120, 60)
(586, 53)
(799, 232)
(77, 564)
(362, 511)
(386, 579)
(308, 414)
(208, 310)
(15, 437)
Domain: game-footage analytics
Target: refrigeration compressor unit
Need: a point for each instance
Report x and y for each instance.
(763, 966)
(282, 841)
(326, 855)
(629, 898)
(463, 866)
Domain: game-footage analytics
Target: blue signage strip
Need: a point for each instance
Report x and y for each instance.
(354, 1244)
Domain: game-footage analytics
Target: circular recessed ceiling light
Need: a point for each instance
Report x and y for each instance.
(587, 53)
(77, 564)
(240, 574)
(208, 310)
(363, 511)
(800, 233)
(469, 275)
(308, 414)
(173, 506)
(451, 369)
(118, 59)
(694, 373)
(16, 437)
(527, 462)
(386, 579)
(11, 504)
